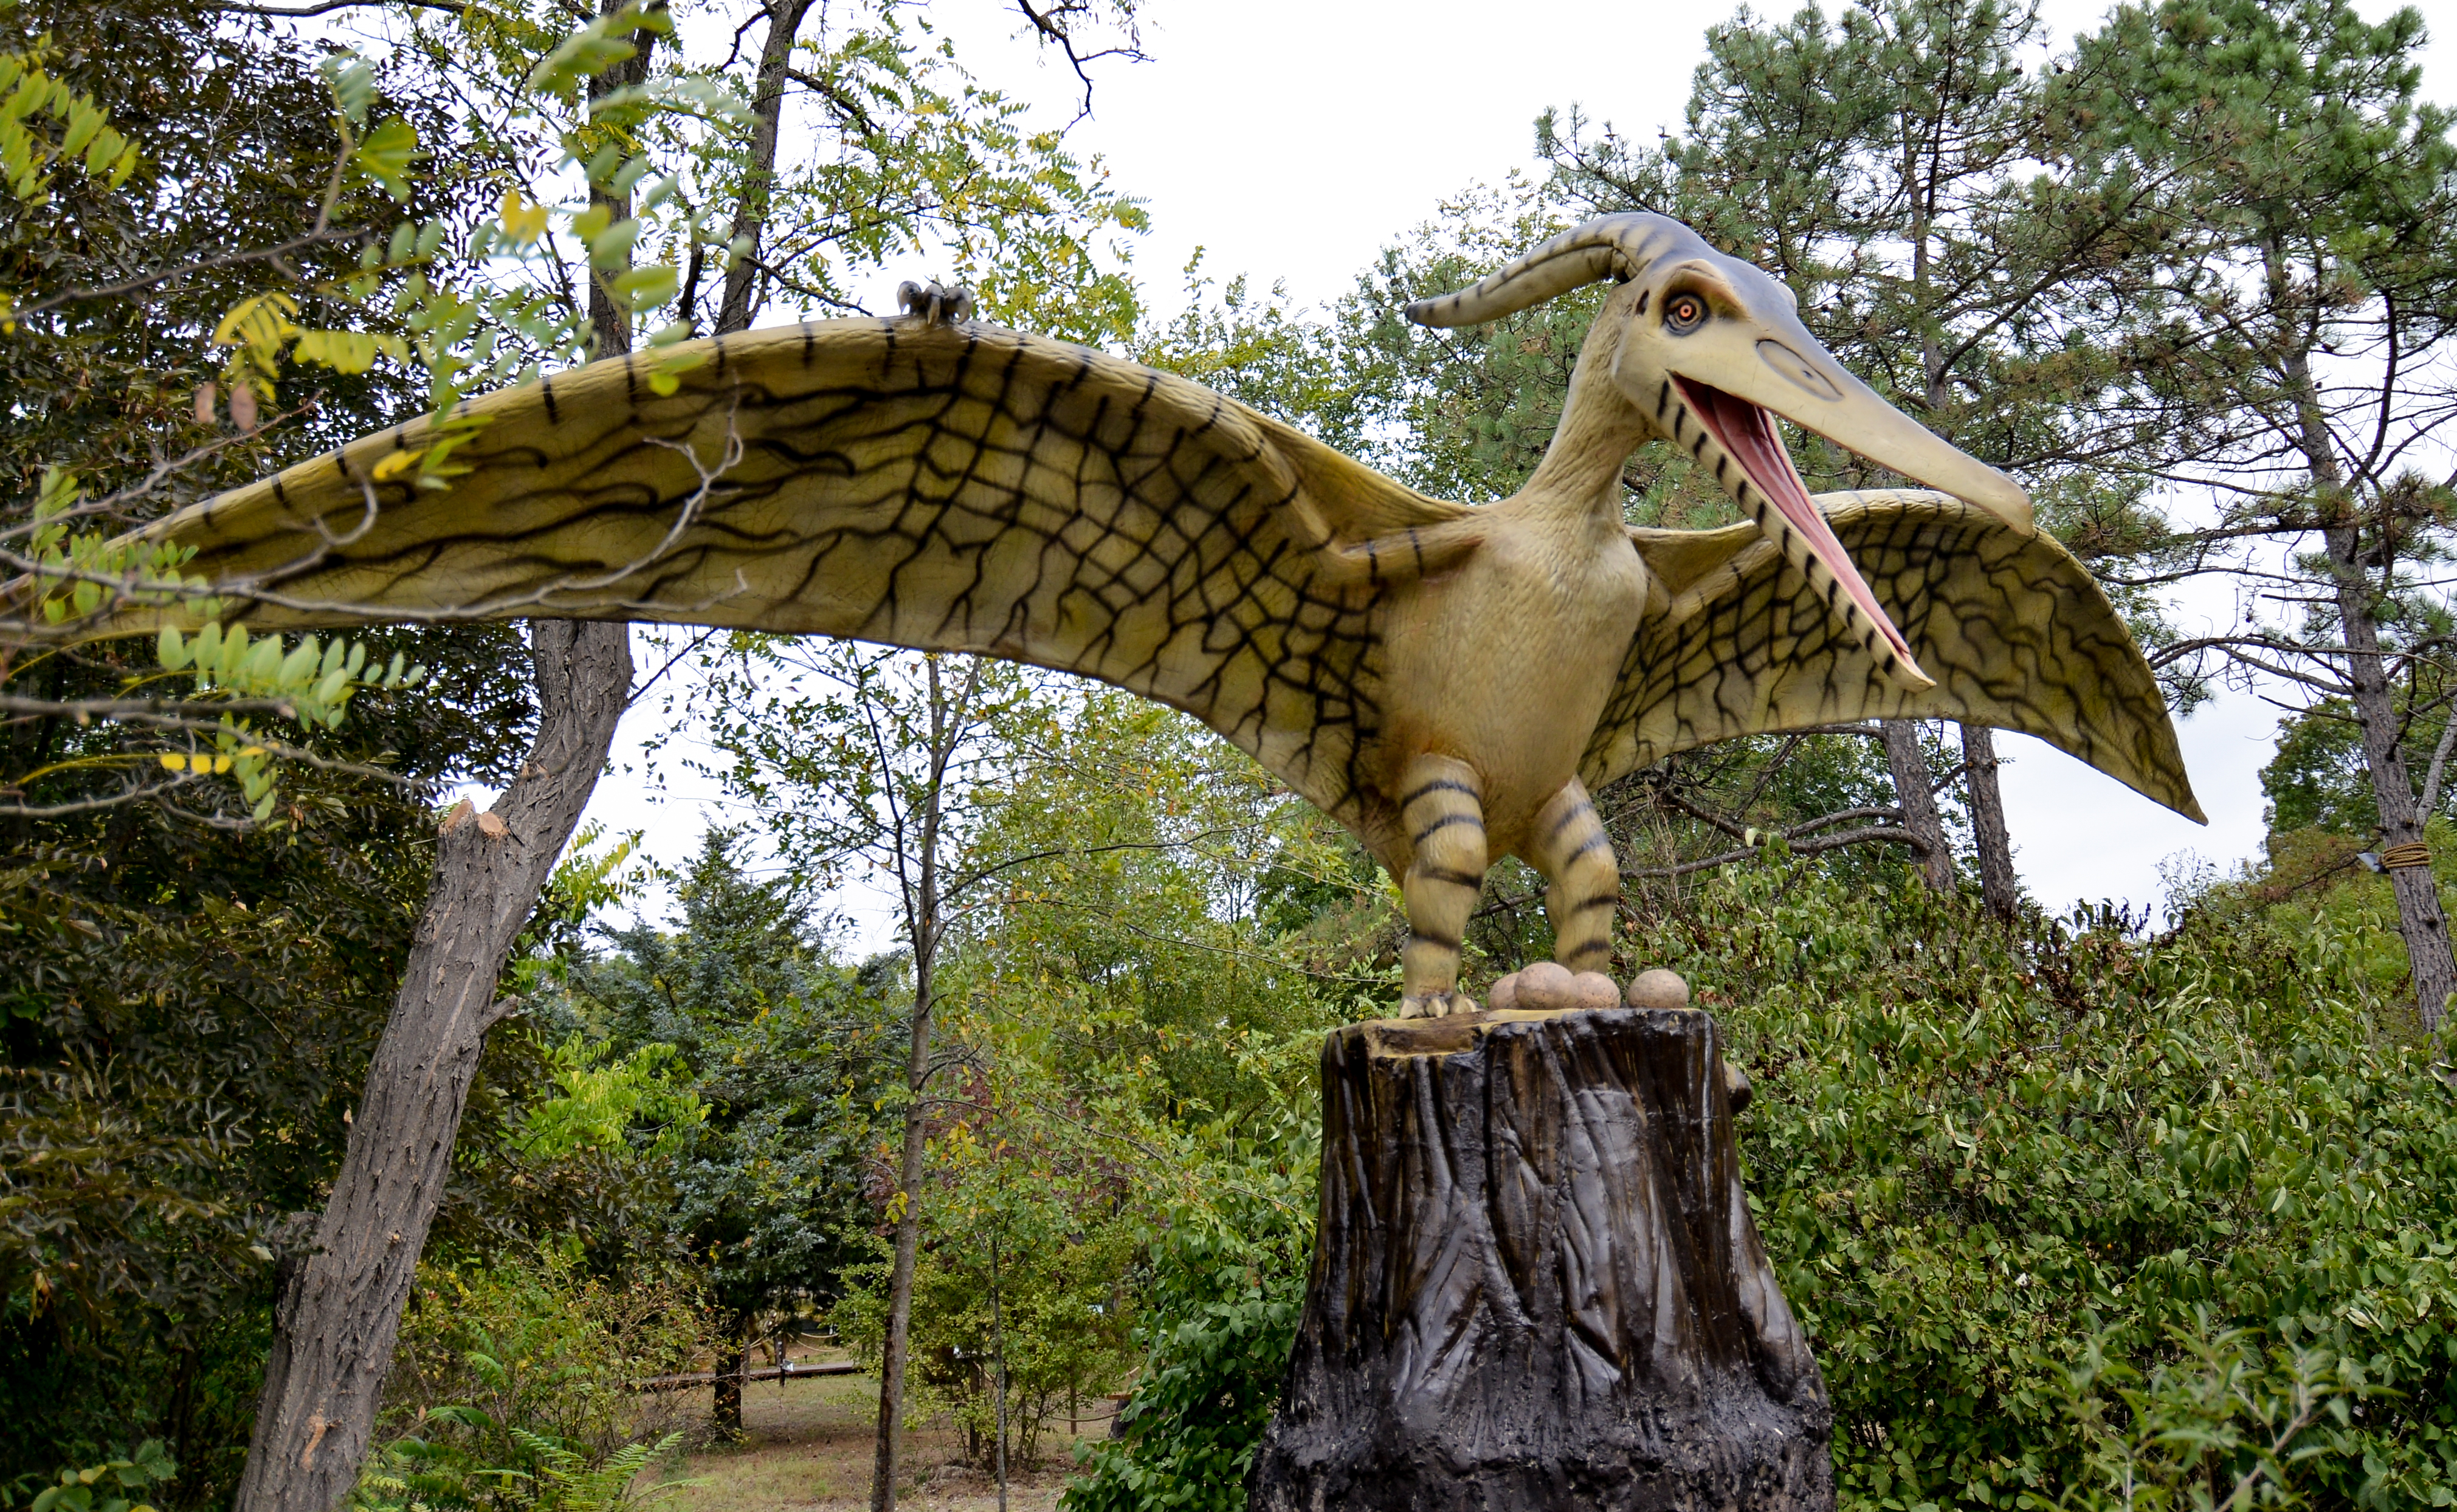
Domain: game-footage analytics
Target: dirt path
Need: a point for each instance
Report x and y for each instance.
(809, 1444)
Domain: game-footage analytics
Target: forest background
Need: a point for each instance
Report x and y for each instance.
(2078, 1211)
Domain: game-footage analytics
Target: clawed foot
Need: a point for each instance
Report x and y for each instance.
(1436, 1005)
(934, 302)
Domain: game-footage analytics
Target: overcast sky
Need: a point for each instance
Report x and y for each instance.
(1294, 138)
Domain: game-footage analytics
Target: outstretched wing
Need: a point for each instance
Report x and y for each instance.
(963, 488)
(2015, 631)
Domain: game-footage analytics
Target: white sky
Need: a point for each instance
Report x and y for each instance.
(1294, 138)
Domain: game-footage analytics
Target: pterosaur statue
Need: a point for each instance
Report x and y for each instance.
(1448, 681)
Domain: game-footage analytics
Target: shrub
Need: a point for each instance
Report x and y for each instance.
(508, 1390)
(2075, 1218)
(116, 1485)
(2063, 1206)
(1223, 1286)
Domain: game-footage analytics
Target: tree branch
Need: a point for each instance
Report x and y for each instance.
(327, 7)
(166, 275)
(1889, 835)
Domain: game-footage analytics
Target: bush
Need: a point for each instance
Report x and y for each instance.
(2075, 1218)
(2063, 1206)
(508, 1390)
(116, 1485)
(1224, 1288)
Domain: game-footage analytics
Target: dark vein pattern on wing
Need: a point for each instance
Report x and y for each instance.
(2013, 630)
(958, 489)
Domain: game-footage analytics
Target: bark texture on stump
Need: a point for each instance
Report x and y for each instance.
(1537, 1285)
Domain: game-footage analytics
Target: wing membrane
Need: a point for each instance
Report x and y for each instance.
(963, 488)
(2012, 628)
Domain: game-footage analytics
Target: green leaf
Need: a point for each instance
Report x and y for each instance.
(594, 48)
(85, 119)
(299, 664)
(107, 147)
(609, 249)
(352, 80)
(385, 155)
(646, 287)
(264, 661)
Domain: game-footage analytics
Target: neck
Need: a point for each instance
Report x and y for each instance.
(1599, 429)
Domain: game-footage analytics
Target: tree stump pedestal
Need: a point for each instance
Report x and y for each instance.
(1537, 1285)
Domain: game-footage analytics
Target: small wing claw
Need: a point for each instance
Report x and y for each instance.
(934, 302)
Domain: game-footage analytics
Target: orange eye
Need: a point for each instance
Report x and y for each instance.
(1683, 313)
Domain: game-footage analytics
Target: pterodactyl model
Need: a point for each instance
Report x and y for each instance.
(1447, 680)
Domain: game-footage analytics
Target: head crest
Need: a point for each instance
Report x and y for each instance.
(1615, 247)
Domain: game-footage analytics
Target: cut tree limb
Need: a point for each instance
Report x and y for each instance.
(340, 1309)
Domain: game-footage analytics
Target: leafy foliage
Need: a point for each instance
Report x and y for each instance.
(511, 1391)
(2075, 1218)
(1225, 1281)
(1020, 1288)
(759, 1060)
(1994, 1167)
(1127, 929)
(115, 1485)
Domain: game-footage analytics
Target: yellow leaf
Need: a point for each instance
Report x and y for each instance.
(175, 761)
(262, 320)
(523, 223)
(393, 466)
(342, 351)
(221, 763)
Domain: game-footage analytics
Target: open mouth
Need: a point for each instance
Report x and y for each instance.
(1746, 433)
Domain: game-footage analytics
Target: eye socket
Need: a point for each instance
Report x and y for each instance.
(1683, 313)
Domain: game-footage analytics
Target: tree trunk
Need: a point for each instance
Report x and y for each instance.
(920, 891)
(2420, 918)
(888, 1464)
(1536, 1285)
(1998, 886)
(998, 1353)
(1911, 789)
(339, 1311)
(1996, 883)
(735, 309)
(732, 1356)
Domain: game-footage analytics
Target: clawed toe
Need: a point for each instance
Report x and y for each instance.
(936, 303)
(1436, 1005)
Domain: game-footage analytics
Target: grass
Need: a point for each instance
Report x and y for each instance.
(809, 1444)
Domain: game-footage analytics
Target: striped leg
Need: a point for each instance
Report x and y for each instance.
(1445, 822)
(1583, 879)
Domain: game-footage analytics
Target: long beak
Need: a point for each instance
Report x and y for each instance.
(1821, 397)
(1735, 401)
(1747, 432)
